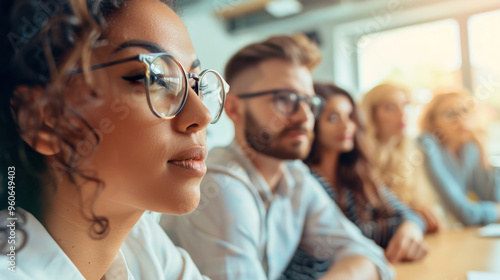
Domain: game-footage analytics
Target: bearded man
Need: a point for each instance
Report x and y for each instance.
(259, 202)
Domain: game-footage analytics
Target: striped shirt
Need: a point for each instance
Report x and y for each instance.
(303, 267)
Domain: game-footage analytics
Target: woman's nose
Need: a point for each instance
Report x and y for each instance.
(194, 117)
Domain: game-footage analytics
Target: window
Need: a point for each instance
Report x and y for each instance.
(424, 57)
(428, 57)
(420, 56)
(484, 41)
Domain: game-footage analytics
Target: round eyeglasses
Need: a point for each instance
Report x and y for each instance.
(167, 85)
(287, 101)
(454, 114)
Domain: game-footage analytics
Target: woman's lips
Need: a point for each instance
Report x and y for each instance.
(346, 138)
(197, 167)
(191, 160)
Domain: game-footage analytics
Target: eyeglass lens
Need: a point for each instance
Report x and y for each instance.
(453, 114)
(167, 86)
(211, 92)
(288, 103)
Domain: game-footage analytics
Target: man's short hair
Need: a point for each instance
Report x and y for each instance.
(297, 49)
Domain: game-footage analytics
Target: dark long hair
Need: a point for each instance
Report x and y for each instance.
(354, 170)
(41, 41)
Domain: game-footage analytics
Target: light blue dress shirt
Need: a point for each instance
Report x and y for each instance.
(454, 177)
(241, 230)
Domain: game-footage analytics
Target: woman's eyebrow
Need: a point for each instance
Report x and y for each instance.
(196, 63)
(152, 47)
(331, 111)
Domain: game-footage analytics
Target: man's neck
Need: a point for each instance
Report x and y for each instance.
(268, 167)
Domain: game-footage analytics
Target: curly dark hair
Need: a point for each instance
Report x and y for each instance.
(43, 41)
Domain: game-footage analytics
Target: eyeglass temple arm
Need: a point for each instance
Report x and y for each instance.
(249, 95)
(77, 71)
(226, 86)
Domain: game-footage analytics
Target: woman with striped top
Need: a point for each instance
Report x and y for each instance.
(338, 160)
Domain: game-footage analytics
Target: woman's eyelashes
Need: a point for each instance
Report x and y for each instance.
(336, 118)
(134, 78)
(200, 88)
(141, 78)
(195, 87)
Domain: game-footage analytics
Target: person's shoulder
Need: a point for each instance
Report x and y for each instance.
(221, 157)
(310, 185)
(226, 194)
(428, 142)
(218, 155)
(33, 253)
(148, 246)
(427, 136)
(227, 163)
(301, 174)
(149, 241)
(471, 148)
(298, 167)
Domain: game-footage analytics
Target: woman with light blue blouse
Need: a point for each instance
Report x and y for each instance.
(456, 162)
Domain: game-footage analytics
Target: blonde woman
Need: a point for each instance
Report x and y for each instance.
(396, 156)
(456, 160)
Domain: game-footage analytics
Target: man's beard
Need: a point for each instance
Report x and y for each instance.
(263, 140)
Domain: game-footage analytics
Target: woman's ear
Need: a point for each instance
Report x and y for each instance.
(234, 109)
(36, 127)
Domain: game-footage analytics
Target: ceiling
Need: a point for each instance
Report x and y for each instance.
(241, 14)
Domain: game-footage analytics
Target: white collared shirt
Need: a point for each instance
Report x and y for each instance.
(242, 230)
(147, 253)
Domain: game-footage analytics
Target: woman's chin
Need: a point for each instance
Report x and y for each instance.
(187, 202)
(180, 202)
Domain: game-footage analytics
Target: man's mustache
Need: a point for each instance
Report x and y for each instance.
(299, 128)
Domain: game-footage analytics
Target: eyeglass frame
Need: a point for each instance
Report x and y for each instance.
(148, 59)
(463, 113)
(297, 104)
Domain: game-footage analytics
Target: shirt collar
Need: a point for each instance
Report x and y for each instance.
(287, 180)
(118, 270)
(42, 253)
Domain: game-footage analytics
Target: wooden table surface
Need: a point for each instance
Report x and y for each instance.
(452, 254)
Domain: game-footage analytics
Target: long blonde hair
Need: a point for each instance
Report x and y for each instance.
(427, 121)
(391, 158)
(373, 98)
